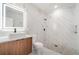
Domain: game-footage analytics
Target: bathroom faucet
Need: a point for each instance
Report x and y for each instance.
(14, 30)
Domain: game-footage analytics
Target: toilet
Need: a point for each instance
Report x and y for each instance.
(36, 45)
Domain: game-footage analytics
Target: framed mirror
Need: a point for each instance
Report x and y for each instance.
(13, 17)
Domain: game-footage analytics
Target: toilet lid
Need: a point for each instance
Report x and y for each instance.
(38, 44)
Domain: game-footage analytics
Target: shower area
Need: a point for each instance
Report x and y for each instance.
(62, 28)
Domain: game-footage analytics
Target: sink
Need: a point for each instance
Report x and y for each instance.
(18, 35)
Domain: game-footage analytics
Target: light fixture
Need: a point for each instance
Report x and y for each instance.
(57, 13)
(56, 6)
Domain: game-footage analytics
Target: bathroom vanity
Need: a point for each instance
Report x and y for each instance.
(20, 46)
(14, 20)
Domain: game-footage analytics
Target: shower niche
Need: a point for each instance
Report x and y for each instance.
(13, 17)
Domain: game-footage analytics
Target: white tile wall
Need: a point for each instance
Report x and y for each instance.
(34, 21)
(60, 31)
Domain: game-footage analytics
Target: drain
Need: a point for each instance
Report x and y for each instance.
(56, 45)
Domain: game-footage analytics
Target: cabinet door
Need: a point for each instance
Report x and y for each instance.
(26, 45)
(16, 47)
(29, 43)
(4, 48)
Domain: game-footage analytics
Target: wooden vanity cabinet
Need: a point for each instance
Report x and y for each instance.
(16, 47)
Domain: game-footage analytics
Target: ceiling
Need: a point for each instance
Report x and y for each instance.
(47, 8)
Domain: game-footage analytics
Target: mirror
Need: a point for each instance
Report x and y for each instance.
(13, 16)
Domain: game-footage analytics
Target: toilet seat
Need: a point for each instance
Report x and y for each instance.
(38, 44)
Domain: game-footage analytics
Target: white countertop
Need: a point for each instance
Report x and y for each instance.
(7, 38)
